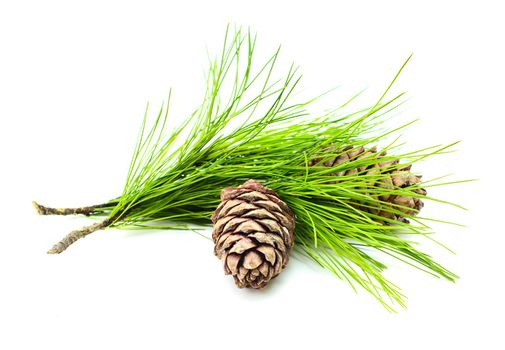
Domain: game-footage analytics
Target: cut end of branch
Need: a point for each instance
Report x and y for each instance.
(54, 250)
(39, 208)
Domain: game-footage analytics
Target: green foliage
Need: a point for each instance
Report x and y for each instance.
(248, 127)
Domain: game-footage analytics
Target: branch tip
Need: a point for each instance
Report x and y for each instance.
(38, 208)
(53, 251)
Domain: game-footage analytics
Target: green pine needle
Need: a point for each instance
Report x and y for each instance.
(248, 127)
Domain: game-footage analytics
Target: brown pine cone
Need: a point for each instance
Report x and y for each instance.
(253, 234)
(399, 178)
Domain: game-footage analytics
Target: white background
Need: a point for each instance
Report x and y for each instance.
(74, 80)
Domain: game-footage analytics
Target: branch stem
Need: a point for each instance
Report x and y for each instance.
(43, 210)
(75, 235)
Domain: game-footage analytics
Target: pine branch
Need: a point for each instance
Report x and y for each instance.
(87, 211)
(73, 236)
(249, 126)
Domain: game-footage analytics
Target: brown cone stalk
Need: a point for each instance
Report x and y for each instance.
(253, 234)
(398, 178)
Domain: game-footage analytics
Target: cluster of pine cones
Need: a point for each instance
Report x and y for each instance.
(254, 229)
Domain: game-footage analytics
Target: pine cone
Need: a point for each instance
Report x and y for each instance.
(399, 178)
(253, 233)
